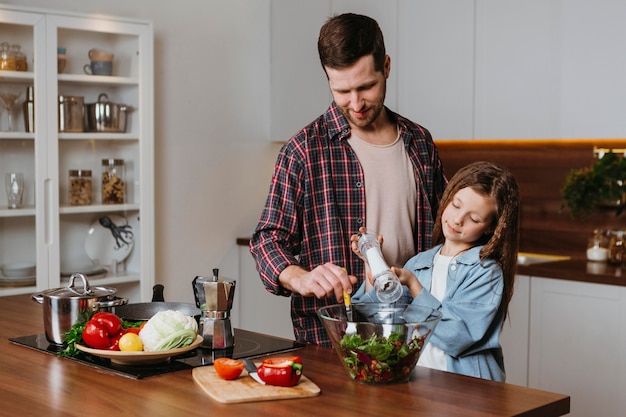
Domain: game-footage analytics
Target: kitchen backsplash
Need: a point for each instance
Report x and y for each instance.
(540, 167)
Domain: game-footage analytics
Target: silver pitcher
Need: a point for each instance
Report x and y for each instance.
(214, 296)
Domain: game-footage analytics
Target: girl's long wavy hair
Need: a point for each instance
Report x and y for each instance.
(502, 243)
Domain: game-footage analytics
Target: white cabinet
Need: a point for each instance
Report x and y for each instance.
(514, 337)
(48, 230)
(578, 344)
(435, 66)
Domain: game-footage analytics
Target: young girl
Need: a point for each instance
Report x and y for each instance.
(468, 274)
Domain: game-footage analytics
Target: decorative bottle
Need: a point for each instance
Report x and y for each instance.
(386, 284)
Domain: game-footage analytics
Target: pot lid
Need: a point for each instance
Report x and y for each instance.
(81, 291)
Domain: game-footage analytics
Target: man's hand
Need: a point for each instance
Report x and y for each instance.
(326, 280)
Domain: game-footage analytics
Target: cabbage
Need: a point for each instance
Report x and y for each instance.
(167, 330)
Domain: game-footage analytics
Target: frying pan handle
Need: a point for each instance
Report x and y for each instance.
(157, 293)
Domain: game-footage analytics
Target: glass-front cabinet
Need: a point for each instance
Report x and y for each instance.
(77, 141)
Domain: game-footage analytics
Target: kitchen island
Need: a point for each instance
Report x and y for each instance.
(33, 383)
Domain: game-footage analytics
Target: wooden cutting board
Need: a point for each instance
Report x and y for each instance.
(245, 389)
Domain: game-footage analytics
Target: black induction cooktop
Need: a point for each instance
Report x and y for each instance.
(247, 345)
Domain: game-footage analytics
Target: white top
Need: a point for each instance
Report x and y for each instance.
(432, 356)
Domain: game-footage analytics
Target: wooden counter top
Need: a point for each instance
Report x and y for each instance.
(577, 270)
(33, 383)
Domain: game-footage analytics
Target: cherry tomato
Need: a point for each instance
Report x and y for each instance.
(130, 342)
(228, 368)
(131, 330)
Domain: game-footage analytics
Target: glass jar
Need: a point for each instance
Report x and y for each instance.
(7, 58)
(113, 183)
(80, 187)
(616, 247)
(598, 246)
(21, 64)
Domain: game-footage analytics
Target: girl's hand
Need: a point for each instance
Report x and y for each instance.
(407, 278)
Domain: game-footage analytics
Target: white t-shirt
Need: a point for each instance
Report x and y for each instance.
(432, 356)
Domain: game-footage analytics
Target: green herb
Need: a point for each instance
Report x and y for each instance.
(603, 182)
(71, 338)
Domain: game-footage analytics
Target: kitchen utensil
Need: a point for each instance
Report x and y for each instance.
(109, 241)
(244, 389)
(215, 297)
(9, 100)
(386, 284)
(140, 358)
(378, 323)
(28, 110)
(71, 114)
(14, 185)
(96, 54)
(104, 116)
(251, 368)
(145, 311)
(351, 329)
(62, 307)
(18, 269)
(98, 68)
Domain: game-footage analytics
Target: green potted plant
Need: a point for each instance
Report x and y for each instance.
(601, 184)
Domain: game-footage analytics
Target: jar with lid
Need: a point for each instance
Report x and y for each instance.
(598, 246)
(113, 182)
(80, 189)
(21, 64)
(7, 58)
(616, 247)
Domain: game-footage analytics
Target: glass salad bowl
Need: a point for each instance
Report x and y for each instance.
(382, 342)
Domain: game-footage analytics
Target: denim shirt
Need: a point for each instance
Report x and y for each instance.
(470, 326)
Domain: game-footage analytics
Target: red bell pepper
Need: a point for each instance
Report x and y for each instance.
(284, 371)
(103, 331)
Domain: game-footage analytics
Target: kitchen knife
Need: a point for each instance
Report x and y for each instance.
(251, 368)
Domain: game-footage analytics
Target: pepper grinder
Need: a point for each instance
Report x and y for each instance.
(214, 296)
(386, 283)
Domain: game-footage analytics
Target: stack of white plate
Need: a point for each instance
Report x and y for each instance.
(18, 273)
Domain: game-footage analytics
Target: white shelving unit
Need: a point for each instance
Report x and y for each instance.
(47, 230)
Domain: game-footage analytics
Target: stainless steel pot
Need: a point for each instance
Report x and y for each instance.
(105, 116)
(71, 114)
(62, 307)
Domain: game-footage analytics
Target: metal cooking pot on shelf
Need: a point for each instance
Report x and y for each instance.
(104, 116)
(62, 307)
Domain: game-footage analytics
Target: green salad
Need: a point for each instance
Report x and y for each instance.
(380, 359)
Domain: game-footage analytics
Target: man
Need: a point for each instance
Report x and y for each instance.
(358, 164)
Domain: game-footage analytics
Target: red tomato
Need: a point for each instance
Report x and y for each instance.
(228, 368)
(112, 323)
(96, 336)
(131, 330)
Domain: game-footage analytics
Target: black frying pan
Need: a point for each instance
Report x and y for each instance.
(144, 311)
